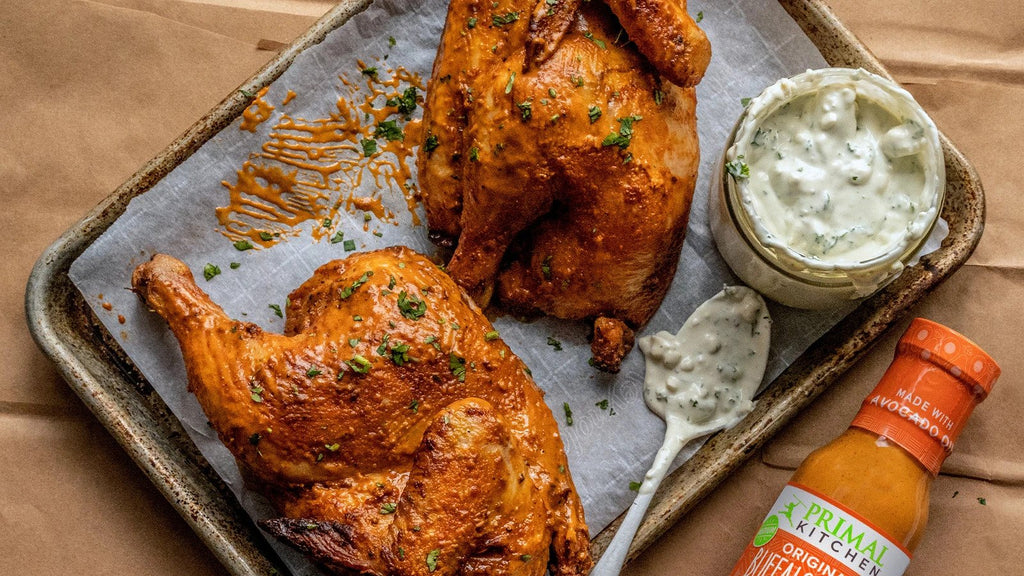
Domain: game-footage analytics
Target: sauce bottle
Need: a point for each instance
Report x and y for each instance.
(858, 506)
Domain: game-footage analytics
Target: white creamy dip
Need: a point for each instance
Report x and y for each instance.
(700, 380)
(833, 176)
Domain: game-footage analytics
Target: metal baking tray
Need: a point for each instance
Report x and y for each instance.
(98, 371)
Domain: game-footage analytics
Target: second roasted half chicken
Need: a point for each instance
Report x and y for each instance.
(390, 425)
(561, 155)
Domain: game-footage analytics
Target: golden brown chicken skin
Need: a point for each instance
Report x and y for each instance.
(558, 162)
(389, 425)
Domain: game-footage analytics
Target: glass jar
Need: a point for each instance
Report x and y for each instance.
(830, 184)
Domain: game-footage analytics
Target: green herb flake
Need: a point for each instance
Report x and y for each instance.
(432, 559)
(370, 71)
(391, 282)
(492, 335)
(349, 245)
(594, 112)
(234, 265)
(700, 16)
(431, 143)
(406, 103)
(603, 404)
(568, 413)
(389, 130)
(414, 406)
(243, 245)
(391, 41)
(744, 102)
(359, 364)
(276, 309)
(659, 97)
(500, 20)
(634, 486)
(552, 93)
(266, 236)
(738, 169)
(338, 237)
(527, 109)
(600, 43)
(525, 557)
(458, 367)
(554, 344)
(511, 81)
(471, 23)
(353, 342)
(545, 267)
(982, 501)
(210, 270)
(369, 147)
(388, 508)
(432, 340)
(410, 306)
(561, 469)
(255, 439)
(256, 393)
(474, 154)
(313, 372)
(345, 293)
(332, 447)
(624, 136)
(577, 81)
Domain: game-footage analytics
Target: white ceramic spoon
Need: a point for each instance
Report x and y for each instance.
(700, 381)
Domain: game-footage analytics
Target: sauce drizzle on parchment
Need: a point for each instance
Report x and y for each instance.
(309, 169)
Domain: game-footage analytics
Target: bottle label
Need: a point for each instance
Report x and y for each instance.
(808, 534)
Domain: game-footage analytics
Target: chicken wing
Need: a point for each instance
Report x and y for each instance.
(389, 425)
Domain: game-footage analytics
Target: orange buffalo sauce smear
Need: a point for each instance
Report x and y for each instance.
(308, 169)
(858, 506)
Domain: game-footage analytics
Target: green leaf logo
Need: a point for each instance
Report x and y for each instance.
(767, 531)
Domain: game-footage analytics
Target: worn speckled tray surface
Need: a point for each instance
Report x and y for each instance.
(97, 370)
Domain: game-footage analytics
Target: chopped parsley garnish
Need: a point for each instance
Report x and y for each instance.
(471, 23)
(411, 307)
(525, 557)
(458, 367)
(600, 43)
(389, 130)
(432, 559)
(313, 372)
(700, 16)
(332, 447)
(406, 103)
(431, 143)
(256, 393)
(276, 309)
(243, 245)
(474, 154)
(738, 168)
(391, 282)
(391, 41)
(594, 112)
(545, 268)
(255, 439)
(568, 413)
(388, 508)
(432, 340)
(338, 237)
(577, 81)
(359, 364)
(635, 486)
(552, 93)
(624, 136)
(414, 406)
(345, 293)
(603, 404)
(744, 102)
(659, 97)
(982, 501)
(554, 344)
(370, 71)
(349, 245)
(399, 354)
(353, 342)
(326, 223)
(555, 118)
(527, 109)
(492, 335)
(503, 19)
(234, 265)
(511, 81)
(369, 147)
(266, 236)
(210, 270)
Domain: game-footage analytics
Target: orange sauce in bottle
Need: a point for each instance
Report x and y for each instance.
(858, 506)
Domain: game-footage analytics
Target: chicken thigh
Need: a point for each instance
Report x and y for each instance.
(390, 425)
(561, 154)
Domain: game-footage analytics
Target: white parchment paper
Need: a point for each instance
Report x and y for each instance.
(754, 43)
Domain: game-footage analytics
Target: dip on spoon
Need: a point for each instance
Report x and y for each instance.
(699, 381)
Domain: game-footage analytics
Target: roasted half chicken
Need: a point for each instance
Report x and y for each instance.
(390, 426)
(561, 155)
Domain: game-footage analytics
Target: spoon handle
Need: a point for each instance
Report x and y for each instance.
(614, 556)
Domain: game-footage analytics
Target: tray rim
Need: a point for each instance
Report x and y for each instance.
(229, 533)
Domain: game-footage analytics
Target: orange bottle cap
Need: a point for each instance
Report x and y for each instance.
(925, 397)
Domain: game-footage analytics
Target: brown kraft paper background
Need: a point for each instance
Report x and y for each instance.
(93, 89)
